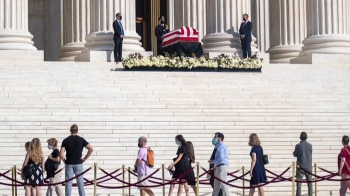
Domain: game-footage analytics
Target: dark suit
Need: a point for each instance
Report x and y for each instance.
(246, 30)
(212, 171)
(118, 42)
(160, 32)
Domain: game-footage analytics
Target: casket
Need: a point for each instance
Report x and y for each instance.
(184, 34)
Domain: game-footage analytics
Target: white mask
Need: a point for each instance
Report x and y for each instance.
(49, 147)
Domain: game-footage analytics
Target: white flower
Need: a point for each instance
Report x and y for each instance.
(226, 62)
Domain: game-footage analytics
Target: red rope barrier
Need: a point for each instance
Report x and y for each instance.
(240, 187)
(239, 178)
(24, 184)
(135, 184)
(277, 178)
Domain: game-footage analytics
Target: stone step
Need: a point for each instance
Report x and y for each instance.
(114, 108)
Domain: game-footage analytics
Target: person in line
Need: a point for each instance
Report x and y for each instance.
(36, 158)
(118, 38)
(181, 166)
(142, 169)
(191, 159)
(26, 146)
(32, 192)
(160, 31)
(303, 153)
(344, 166)
(73, 147)
(222, 166)
(54, 160)
(257, 169)
(211, 166)
(245, 32)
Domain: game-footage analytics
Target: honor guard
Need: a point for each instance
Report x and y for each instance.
(161, 30)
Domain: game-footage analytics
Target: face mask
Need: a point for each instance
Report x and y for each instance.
(177, 143)
(162, 22)
(49, 147)
(139, 145)
(120, 18)
(214, 141)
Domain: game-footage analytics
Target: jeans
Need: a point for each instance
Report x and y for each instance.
(221, 173)
(72, 170)
(344, 185)
(299, 176)
(58, 188)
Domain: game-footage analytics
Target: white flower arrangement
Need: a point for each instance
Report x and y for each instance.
(180, 62)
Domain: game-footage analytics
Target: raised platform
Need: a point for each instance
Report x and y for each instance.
(114, 108)
(22, 55)
(322, 59)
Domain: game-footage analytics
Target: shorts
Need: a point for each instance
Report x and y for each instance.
(140, 177)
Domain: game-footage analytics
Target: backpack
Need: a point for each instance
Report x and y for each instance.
(150, 158)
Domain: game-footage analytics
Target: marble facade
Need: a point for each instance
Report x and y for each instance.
(297, 31)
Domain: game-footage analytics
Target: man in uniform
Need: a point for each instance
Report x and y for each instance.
(161, 30)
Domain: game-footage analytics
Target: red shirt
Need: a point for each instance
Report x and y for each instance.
(345, 153)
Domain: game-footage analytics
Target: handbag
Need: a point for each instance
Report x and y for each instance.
(264, 157)
(28, 170)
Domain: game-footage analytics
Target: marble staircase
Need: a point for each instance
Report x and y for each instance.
(114, 108)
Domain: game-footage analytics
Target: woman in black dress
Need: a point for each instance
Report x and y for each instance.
(182, 166)
(36, 158)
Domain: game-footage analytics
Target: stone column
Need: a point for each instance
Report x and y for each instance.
(76, 26)
(191, 13)
(260, 18)
(224, 18)
(328, 32)
(171, 14)
(15, 40)
(288, 29)
(99, 43)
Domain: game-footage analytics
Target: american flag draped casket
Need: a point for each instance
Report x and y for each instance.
(184, 34)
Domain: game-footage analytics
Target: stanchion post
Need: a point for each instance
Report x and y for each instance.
(15, 178)
(123, 177)
(293, 178)
(13, 188)
(163, 178)
(315, 171)
(129, 173)
(95, 178)
(197, 188)
(243, 182)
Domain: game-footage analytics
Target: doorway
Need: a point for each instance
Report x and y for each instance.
(147, 14)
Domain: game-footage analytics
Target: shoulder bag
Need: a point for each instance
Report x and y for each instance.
(264, 158)
(28, 170)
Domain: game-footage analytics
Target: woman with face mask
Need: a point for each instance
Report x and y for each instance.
(52, 166)
(182, 166)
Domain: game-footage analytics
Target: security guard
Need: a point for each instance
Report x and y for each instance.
(161, 30)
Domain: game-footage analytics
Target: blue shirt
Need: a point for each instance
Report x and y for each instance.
(221, 155)
(121, 28)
